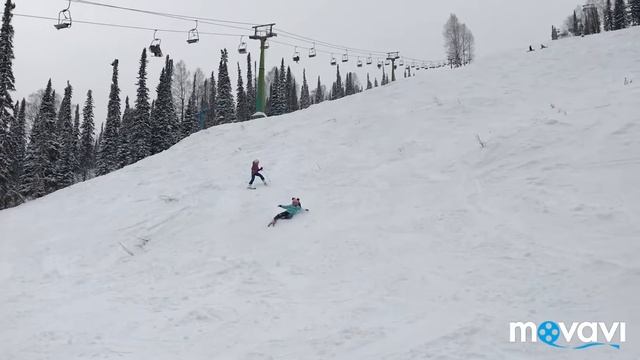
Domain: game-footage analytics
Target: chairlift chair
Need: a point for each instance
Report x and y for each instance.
(359, 62)
(369, 60)
(266, 44)
(193, 36)
(401, 63)
(155, 45)
(312, 51)
(379, 64)
(296, 55)
(333, 60)
(345, 57)
(64, 18)
(242, 48)
(387, 62)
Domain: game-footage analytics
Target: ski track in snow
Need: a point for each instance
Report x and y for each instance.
(419, 243)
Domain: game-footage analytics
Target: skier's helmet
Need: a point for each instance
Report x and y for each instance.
(256, 161)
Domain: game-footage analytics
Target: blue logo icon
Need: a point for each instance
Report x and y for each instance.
(549, 333)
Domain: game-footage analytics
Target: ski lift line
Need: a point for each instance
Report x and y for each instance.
(336, 48)
(224, 23)
(214, 22)
(333, 53)
(211, 21)
(132, 27)
(318, 43)
(164, 14)
(291, 35)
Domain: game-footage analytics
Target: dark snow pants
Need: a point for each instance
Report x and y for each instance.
(253, 178)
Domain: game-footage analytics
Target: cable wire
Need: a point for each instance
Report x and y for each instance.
(225, 23)
(125, 26)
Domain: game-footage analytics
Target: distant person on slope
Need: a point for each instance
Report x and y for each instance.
(255, 171)
(290, 211)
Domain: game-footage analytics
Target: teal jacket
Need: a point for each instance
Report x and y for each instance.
(291, 209)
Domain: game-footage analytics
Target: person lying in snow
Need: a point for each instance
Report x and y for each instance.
(290, 211)
(255, 171)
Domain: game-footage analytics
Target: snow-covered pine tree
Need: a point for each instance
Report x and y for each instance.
(283, 97)
(195, 117)
(107, 159)
(204, 104)
(339, 88)
(165, 130)
(619, 15)
(369, 85)
(170, 110)
(211, 114)
(159, 128)
(319, 93)
(76, 138)
(575, 27)
(274, 94)
(96, 147)
(607, 16)
(288, 88)
(251, 89)
(293, 93)
(375, 83)
(67, 163)
(305, 100)
(141, 129)
(43, 150)
(242, 105)
(86, 151)
(7, 85)
(268, 107)
(124, 141)
(190, 122)
(18, 138)
(225, 104)
(294, 105)
(634, 11)
(349, 86)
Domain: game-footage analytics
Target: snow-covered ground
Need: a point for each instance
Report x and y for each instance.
(419, 243)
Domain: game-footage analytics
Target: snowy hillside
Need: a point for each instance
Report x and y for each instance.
(419, 243)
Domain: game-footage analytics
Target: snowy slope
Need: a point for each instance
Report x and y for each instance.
(419, 244)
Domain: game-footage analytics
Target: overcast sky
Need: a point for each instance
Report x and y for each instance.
(83, 53)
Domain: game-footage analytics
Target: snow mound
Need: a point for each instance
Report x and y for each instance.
(442, 208)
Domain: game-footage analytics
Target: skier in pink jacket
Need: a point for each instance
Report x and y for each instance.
(255, 171)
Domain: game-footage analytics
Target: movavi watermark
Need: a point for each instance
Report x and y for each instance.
(575, 335)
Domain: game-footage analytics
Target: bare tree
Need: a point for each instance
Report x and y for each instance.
(458, 41)
(32, 107)
(468, 45)
(199, 77)
(181, 85)
(453, 40)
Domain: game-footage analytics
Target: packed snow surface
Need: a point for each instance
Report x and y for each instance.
(419, 242)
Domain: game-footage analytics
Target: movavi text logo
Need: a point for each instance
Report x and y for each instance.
(573, 335)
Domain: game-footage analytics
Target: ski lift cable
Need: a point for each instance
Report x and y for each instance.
(133, 27)
(225, 23)
(333, 53)
(293, 36)
(208, 21)
(165, 14)
(222, 22)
